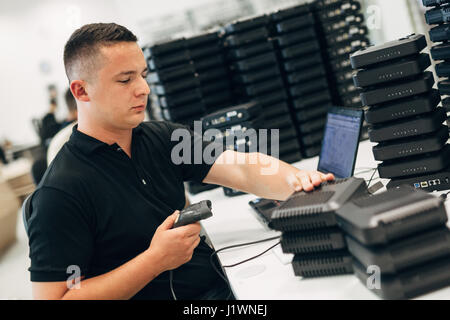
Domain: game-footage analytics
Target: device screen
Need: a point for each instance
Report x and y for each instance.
(340, 142)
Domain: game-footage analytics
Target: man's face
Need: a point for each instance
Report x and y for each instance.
(119, 92)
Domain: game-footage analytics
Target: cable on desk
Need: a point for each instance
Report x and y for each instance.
(235, 246)
(371, 177)
(258, 255)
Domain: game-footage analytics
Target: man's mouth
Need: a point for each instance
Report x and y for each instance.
(139, 107)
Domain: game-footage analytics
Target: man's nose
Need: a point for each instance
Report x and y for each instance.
(143, 88)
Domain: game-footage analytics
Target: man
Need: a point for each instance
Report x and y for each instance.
(66, 128)
(104, 210)
(72, 112)
(50, 126)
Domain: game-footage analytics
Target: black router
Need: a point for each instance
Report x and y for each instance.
(232, 115)
(411, 282)
(396, 71)
(420, 164)
(408, 127)
(320, 240)
(403, 108)
(391, 215)
(399, 90)
(404, 253)
(389, 51)
(316, 209)
(429, 182)
(401, 148)
(320, 264)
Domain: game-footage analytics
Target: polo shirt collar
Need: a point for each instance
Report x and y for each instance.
(88, 144)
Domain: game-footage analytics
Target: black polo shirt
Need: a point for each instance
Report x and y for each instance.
(96, 208)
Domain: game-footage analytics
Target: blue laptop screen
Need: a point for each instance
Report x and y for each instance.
(340, 143)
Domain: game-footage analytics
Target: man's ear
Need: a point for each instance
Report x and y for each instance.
(78, 88)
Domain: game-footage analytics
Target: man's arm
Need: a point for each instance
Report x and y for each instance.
(169, 249)
(262, 175)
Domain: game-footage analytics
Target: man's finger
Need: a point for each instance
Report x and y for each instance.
(326, 176)
(306, 182)
(316, 179)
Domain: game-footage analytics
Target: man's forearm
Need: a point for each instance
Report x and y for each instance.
(262, 175)
(121, 283)
(255, 173)
(274, 184)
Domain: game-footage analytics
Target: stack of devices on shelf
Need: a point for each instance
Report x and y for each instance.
(304, 73)
(403, 114)
(236, 128)
(256, 76)
(342, 31)
(399, 241)
(438, 14)
(188, 77)
(310, 231)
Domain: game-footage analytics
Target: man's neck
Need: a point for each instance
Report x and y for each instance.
(108, 135)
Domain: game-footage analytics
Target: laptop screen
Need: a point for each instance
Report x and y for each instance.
(340, 141)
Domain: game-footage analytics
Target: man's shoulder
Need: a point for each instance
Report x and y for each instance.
(67, 170)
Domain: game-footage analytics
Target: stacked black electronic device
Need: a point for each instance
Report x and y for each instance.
(403, 114)
(189, 77)
(256, 76)
(400, 245)
(310, 230)
(341, 29)
(237, 128)
(439, 14)
(304, 72)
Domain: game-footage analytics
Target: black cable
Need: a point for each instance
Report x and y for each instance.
(171, 284)
(258, 255)
(215, 268)
(235, 246)
(371, 177)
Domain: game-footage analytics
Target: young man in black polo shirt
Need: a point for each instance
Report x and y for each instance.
(105, 207)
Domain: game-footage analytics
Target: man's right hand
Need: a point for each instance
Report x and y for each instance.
(175, 246)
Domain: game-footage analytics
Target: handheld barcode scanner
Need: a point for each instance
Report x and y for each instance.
(194, 213)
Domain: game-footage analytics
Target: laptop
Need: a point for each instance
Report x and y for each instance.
(340, 141)
(337, 156)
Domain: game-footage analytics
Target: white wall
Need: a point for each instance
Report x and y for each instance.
(33, 33)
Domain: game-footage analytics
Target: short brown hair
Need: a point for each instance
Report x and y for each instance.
(83, 45)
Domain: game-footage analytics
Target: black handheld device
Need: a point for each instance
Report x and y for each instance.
(193, 213)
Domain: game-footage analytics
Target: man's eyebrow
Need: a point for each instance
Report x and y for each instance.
(125, 73)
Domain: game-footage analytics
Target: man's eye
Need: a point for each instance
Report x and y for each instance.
(124, 81)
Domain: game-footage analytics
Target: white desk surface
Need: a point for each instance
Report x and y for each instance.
(270, 276)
